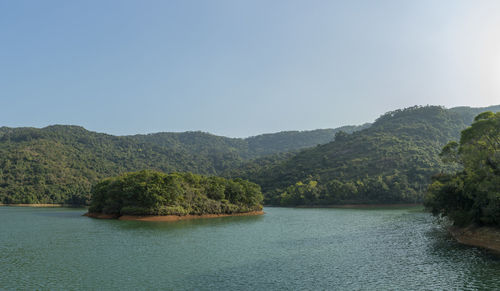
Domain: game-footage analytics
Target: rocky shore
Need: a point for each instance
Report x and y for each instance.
(483, 237)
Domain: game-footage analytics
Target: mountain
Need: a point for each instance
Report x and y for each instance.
(390, 161)
(60, 163)
(247, 148)
(288, 141)
(468, 113)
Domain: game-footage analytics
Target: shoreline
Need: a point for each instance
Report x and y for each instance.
(388, 205)
(36, 205)
(484, 237)
(365, 205)
(167, 217)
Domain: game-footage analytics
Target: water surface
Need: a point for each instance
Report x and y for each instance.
(343, 249)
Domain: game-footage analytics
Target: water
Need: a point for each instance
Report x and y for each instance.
(316, 249)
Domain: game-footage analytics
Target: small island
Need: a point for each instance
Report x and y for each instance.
(154, 196)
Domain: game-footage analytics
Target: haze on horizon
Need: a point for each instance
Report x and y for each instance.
(241, 68)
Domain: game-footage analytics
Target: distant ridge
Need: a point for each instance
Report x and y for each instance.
(391, 161)
(469, 113)
(60, 163)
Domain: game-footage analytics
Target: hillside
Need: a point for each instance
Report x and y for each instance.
(288, 141)
(247, 148)
(59, 164)
(391, 161)
(469, 113)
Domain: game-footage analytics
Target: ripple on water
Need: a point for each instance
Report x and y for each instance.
(311, 249)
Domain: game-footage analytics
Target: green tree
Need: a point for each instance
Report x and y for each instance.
(155, 193)
(471, 195)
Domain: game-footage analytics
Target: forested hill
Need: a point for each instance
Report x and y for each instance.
(391, 161)
(469, 113)
(287, 141)
(58, 164)
(388, 161)
(247, 148)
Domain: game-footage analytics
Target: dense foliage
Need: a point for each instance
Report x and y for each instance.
(58, 164)
(471, 195)
(468, 114)
(156, 193)
(289, 141)
(390, 162)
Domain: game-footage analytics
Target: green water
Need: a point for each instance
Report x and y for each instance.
(316, 249)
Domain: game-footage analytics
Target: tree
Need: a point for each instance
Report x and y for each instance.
(471, 195)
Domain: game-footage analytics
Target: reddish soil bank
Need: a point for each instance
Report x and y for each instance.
(483, 237)
(168, 217)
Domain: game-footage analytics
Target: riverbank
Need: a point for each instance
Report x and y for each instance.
(483, 237)
(37, 205)
(360, 205)
(168, 217)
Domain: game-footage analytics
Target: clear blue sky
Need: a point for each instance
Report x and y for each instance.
(241, 68)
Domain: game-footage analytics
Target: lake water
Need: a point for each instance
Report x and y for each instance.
(316, 249)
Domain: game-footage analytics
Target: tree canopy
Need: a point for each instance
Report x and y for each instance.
(156, 193)
(389, 162)
(471, 195)
(60, 163)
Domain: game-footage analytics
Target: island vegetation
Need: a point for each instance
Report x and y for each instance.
(155, 193)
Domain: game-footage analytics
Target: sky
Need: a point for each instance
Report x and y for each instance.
(241, 68)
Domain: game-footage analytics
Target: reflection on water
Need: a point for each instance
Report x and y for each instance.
(343, 249)
(184, 224)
